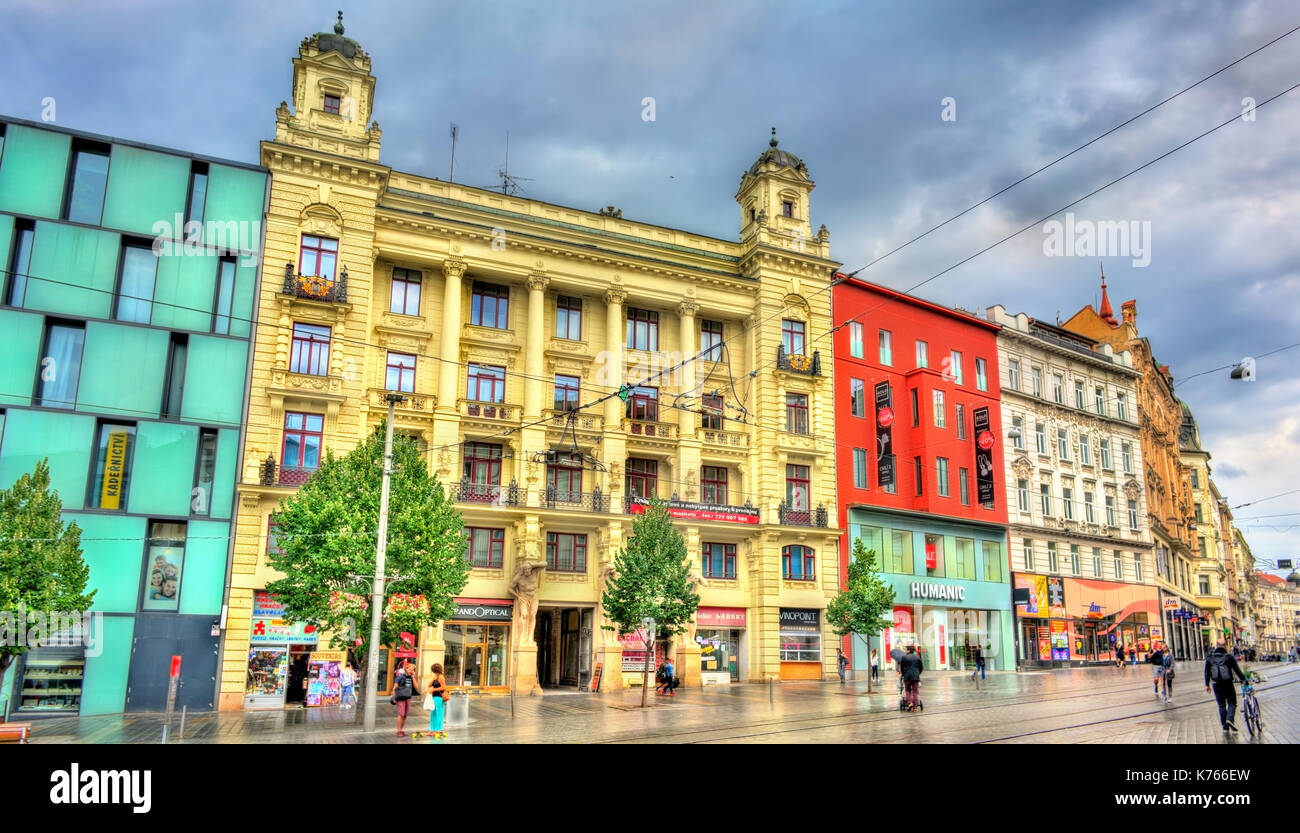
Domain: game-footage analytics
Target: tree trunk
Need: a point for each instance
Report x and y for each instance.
(645, 677)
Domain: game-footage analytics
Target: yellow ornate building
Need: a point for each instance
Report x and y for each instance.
(500, 318)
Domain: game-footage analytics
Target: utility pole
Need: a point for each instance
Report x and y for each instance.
(377, 587)
(454, 133)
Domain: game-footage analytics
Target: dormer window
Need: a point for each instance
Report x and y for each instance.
(753, 215)
(787, 208)
(332, 104)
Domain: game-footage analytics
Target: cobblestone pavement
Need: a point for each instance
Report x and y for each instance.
(1084, 705)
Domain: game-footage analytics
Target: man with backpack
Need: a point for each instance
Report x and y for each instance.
(1219, 668)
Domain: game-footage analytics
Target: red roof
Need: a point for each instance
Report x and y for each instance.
(1272, 579)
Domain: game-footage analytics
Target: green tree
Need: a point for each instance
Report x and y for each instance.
(41, 568)
(651, 579)
(327, 535)
(863, 607)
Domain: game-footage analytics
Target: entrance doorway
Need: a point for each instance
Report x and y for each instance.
(297, 691)
(564, 646)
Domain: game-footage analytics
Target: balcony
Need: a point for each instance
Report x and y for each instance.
(272, 473)
(485, 494)
(488, 411)
(645, 428)
(415, 402)
(595, 501)
(802, 517)
(725, 439)
(583, 421)
(314, 287)
(796, 363)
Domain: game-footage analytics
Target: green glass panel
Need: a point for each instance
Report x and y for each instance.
(113, 548)
(66, 439)
(223, 487)
(214, 389)
(112, 385)
(184, 291)
(6, 248)
(163, 468)
(20, 344)
(146, 190)
(235, 195)
(242, 309)
(79, 268)
(32, 170)
(204, 579)
(104, 689)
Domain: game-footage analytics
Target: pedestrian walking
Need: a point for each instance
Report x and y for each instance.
(841, 663)
(670, 681)
(1167, 662)
(348, 680)
(403, 690)
(979, 663)
(435, 701)
(875, 665)
(1132, 656)
(910, 668)
(1219, 668)
(1156, 658)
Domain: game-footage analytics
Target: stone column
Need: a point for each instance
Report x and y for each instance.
(687, 419)
(615, 367)
(453, 270)
(533, 389)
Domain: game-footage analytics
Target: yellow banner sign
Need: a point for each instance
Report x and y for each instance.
(110, 496)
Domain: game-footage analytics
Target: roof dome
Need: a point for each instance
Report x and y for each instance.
(335, 42)
(781, 158)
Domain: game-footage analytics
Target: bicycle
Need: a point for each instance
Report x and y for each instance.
(1250, 709)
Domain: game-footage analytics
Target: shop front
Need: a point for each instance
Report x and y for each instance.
(477, 644)
(1075, 621)
(279, 656)
(948, 622)
(720, 633)
(1188, 627)
(800, 631)
(635, 646)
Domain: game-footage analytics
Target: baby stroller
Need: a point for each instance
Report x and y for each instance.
(902, 698)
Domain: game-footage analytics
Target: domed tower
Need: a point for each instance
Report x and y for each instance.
(333, 98)
(775, 205)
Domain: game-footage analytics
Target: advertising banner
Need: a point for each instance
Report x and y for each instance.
(720, 617)
(1037, 587)
(1056, 597)
(110, 496)
(1060, 641)
(1044, 643)
(323, 683)
(984, 442)
(884, 435)
(699, 511)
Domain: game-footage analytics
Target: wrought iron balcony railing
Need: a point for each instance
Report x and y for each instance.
(797, 363)
(594, 501)
(272, 473)
(802, 517)
(315, 287)
(490, 494)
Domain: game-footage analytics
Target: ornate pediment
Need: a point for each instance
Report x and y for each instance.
(1133, 489)
(1022, 467)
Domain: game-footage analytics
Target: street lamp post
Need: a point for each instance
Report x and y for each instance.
(377, 584)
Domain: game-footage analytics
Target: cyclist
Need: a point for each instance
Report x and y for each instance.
(1219, 668)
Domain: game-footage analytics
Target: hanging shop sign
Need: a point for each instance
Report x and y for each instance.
(945, 592)
(1094, 610)
(1171, 603)
(269, 627)
(800, 621)
(984, 442)
(884, 435)
(700, 511)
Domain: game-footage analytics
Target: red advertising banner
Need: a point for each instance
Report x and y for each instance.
(720, 617)
(931, 558)
(700, 511)
(903, 619)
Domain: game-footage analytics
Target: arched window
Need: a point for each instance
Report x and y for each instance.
(798, 563)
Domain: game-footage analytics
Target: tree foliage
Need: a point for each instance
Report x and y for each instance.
(327, 535)
(864, 606)
(41, 568)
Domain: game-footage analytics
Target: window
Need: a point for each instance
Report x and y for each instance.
(886, 347)
(1137, 567)
(1074, 559)
(1197, 507)
(485, 383)
(84, 200)
(1133, 519)
(718, 560)
(400, 372)
(489, 305)
(859, 468)
(174, 389)
(796, 487)
(1126, 457)
(60, 369)
(1022, 489)
(900, 558)
(857, 397)
(1196, 484)
(1058, 388)
(301, 446)
(962, 476)
(792, 337)
(642, 478)
(959, 413)
(957, 374)
(205, 473)
(135, 281)
(1040, 437)
(963, 562)
(643, 404)
(787, 208)
(712, 417)
(796, 413)
(112, 477)
(20, 262)
(318, 256)
(981, 375)
(934, 553)
(1204, 585)
(1110, 511)
(942, 475)
(1079, 400)
(1053, 562)
(486, 546)
(1018, 435)
(856, 337)
(566, 552)
(1045, 499)
(272, 537)
(1119, 566)
(567, 390)
(1105, 454)
(1027, 547)
(713, 484)
(711, 340)
(481, 466)
(311, 350)
(940, 417)
(991, 552)
(918, 476)
(798, 563)
(1037, 377)
(225, 300)
(404, 298)
(194, 206)
(1121, 406)
(1096, 561)
(1067, 495)
(564, 477)
(1089, 513)
(332, 104)
(642, 329)
(1063, 443)
(922, 354)
(164, 560)
(1085, 450)
(916, 408)
(568, 318)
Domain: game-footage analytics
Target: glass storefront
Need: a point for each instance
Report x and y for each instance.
(475, 654)
(268, 670)
(52, 680)
(800, 633)
(720, 651)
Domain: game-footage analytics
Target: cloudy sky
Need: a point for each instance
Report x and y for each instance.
(856, 90)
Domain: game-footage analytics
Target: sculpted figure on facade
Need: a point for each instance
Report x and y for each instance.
(523, 586)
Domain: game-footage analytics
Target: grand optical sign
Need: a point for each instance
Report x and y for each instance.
(943, 592)
(483, 611)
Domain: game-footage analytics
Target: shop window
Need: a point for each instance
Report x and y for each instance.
(489, 305)
(476, 655)
(53, 675)
(485, 383)
(564, 477)
(792, 337)
(798, 563)
(857, 398)
(719, 561)
(59, 373)
(994, 563)
(404, 297)
(111, 482)
(399, 372)
(934, 556)
(711, 416)
(567, 391)
(87, 182)
(711, 340)
(642, 329)
(164, 563)
(800, 643)
(873, 538)
(796, 413)
(318, 257)
(224, 303)
(963, 561)
(311, 350)
(899, 559)
(643, 404)
(566, 552)
(981, 374)
(205, 473)
(641, 478)
(713, 484)
(20, 261)
(486, 547)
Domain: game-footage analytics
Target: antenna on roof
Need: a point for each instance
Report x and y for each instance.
(455, 132)
(510, 184)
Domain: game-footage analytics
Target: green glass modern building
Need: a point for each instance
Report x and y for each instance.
(127, 288)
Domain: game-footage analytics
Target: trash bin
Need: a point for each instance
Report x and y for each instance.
(458, 709)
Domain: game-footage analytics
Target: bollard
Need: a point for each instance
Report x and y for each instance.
(770, 682)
